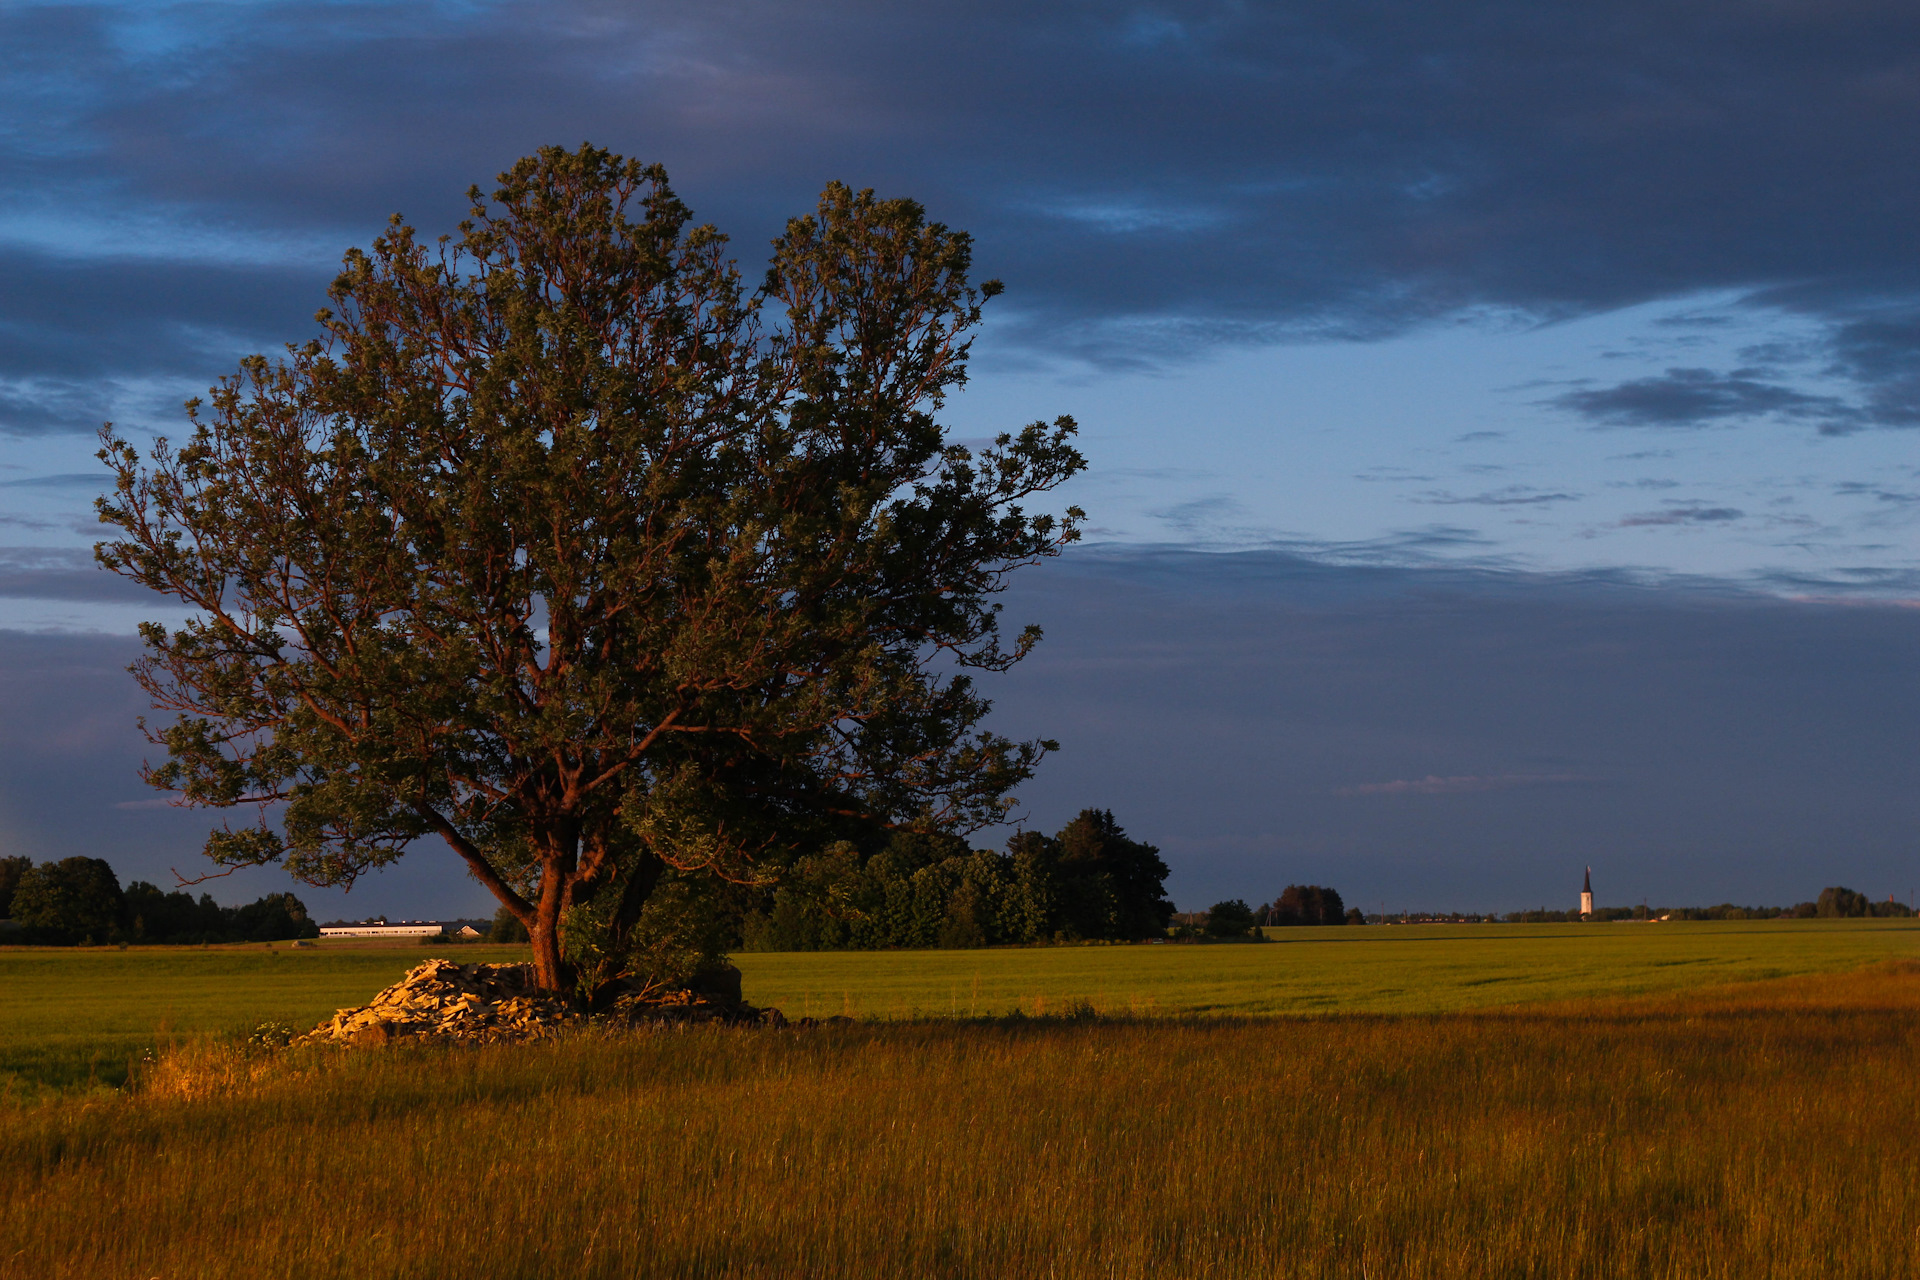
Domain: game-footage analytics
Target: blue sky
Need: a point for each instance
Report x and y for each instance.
(1595, 320)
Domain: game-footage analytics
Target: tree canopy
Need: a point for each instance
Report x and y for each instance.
(569, 548)
(1306, 904)
(11, 869)
(1088, 882)
(1230, 919)
(77, 898)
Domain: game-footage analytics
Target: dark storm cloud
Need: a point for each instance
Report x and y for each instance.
(1150, 181)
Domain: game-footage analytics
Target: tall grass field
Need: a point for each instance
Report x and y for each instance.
(1766, 1131)
(1713, 1121)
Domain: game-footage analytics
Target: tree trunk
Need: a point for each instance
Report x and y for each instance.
(550, 968)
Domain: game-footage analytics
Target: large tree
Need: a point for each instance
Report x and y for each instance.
(568, 548)
(74, 900)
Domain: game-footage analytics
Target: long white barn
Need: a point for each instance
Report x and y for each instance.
(412, 929)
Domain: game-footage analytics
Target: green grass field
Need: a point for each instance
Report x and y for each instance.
(1377, 969)
(70, 1017)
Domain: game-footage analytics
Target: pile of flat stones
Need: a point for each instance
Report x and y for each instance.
(494, 1003)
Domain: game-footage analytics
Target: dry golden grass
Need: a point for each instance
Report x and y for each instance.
(1767, 1130)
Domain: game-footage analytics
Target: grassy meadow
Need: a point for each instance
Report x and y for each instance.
(1770, 1129)
(74, 1018)
(1375, 969)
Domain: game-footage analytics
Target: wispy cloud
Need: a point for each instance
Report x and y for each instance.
(1435, 785)
(1699, 397)
(1682, 515)
(65, 480)
(1513, 495)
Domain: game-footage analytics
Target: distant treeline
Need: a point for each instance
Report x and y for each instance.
(1298, 904)
(79, 901)
(1088, 882)
(1836, 902)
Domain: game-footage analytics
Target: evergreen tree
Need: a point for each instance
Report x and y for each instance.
(1132, 874)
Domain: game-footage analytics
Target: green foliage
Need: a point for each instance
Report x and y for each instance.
(1230, 919)
(11, 869)
(157, 916)
(1300, 904)
(72, 900)
(927, 889)
(506, 927)
(683, 932)
(1839, 903)
(79, 900)
(1117, 884)
(154, 916)
(570, 549)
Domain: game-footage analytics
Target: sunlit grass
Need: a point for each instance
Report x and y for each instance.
(1767, 1130)
(72, 1017)
(1375, 969)
(77, 1018)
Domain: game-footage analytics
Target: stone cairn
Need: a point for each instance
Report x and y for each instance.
(493, 1003)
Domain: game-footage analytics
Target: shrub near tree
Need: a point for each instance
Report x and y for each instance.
(572, 550)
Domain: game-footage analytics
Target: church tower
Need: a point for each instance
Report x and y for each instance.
(1586, 895)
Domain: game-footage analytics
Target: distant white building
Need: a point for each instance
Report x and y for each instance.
(1586, 894)
(410, 929)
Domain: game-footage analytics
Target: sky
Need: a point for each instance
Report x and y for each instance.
(1500, 415)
